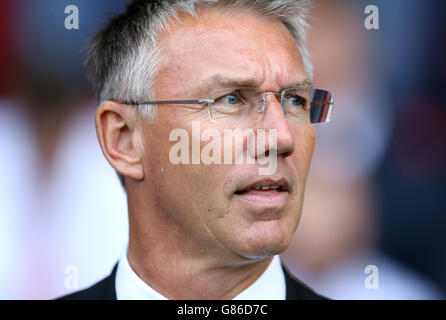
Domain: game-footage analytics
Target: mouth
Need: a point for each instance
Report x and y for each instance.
(266, 190)
(265, 186)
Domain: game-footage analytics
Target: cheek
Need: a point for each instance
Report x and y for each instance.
(310, 139)
(202, 180)
(305, 141)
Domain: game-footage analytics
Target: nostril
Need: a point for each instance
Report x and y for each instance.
(287, 150)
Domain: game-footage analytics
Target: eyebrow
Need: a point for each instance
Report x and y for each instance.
(305, 83)
(222, 81)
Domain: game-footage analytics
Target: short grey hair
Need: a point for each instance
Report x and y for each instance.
(124, 56)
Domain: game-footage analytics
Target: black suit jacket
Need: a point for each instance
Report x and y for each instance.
(105, 289)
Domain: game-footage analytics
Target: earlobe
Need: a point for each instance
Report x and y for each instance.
(116, 131)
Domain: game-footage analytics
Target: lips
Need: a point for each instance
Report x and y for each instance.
(265, 186)
(265, 199)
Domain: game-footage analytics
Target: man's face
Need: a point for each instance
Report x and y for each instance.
(215, 209)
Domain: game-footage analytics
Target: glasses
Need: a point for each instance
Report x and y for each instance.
(300, 105)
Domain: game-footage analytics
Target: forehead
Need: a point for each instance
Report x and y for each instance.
(234, 44)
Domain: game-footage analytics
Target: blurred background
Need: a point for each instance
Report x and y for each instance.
(375, 193)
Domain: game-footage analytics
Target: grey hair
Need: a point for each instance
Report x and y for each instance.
(123, 58)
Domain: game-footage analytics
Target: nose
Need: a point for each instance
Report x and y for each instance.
(273, 117)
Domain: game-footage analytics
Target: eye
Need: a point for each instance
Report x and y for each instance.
(230, 99)
(234, 98)
(295, 100)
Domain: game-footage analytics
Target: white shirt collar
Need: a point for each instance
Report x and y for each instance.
(269, 286)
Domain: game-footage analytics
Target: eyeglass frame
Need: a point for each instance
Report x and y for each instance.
(261, 106)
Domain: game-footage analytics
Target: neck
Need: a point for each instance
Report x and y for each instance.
(175, 276)
(177, 269)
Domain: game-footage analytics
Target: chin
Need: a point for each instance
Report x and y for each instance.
(266, 241)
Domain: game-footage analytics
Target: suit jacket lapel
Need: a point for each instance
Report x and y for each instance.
(297, 290)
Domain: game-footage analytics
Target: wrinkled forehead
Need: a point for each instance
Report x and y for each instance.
(235, 44)
(214, 23)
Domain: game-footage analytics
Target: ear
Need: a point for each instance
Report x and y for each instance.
(119, 138)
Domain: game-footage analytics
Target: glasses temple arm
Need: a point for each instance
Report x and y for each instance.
(201, 101)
